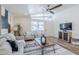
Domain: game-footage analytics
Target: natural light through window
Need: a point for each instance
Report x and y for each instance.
(45, 16)
(37, 26)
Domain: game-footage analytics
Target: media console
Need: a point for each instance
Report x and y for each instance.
(65, 36)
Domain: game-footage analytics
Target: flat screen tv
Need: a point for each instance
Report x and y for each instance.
(62, 26)
(66, 26)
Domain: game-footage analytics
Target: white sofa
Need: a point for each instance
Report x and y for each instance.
(5, 48)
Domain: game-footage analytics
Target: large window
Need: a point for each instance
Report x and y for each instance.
(37, 26)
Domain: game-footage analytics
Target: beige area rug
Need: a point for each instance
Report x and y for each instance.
(32, 49)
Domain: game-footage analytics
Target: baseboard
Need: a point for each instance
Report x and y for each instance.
(55, 37)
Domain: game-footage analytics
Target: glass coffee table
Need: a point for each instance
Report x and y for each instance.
(43, 47)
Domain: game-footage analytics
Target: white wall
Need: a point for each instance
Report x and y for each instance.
(24, 21)
(49, 28)
(11, 20)
(68, 15)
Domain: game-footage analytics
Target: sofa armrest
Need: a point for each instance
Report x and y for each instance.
(21, 42)
(21, 45)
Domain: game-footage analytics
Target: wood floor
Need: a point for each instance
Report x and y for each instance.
(69, 46)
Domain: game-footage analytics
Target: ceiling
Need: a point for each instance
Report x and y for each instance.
(32, 9)
(16, 9)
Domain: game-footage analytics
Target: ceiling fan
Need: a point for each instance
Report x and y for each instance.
(52, 8)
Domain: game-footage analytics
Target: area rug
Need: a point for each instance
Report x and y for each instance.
(33, 49)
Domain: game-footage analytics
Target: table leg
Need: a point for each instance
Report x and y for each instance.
(42, 52)
(35, 43)
(54, 48)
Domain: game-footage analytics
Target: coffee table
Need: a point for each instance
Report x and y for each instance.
(38, 41)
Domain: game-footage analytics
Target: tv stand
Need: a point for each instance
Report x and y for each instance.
(65, 36)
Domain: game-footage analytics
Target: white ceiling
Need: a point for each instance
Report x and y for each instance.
(17, 9)
(63, 7)
(24, 9)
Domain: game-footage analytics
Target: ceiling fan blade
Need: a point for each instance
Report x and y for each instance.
(52, 12)
(49, 10)
(56, 7)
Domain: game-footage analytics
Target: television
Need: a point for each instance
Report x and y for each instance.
(66, 26)
(62, 26)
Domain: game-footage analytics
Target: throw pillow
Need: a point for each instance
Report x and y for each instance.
(13, 45)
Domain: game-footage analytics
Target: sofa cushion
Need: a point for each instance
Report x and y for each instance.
(5, 47)
(2, 40)
(8, 36)
(13, 45)
(11, 36)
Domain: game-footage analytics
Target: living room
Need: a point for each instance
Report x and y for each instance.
(29, 22)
